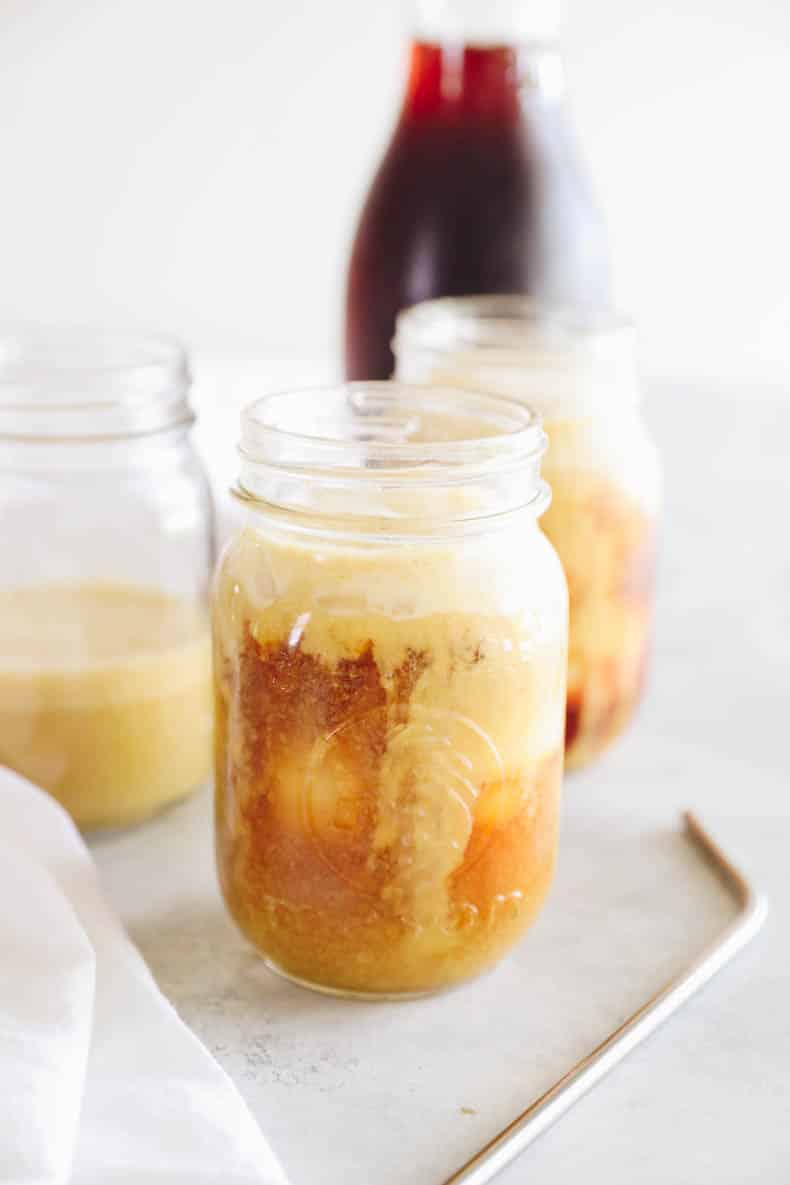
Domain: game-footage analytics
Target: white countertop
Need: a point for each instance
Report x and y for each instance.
(401, 1094)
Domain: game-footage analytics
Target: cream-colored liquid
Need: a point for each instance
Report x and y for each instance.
(105, 697)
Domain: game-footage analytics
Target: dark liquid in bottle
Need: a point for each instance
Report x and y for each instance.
(479, 192)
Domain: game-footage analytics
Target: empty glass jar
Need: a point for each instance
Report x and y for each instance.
(577, 369)
(106, 521)
(390, 630)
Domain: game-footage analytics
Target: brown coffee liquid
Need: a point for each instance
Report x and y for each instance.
(479, 192)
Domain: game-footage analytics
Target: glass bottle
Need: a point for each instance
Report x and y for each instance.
(390, 633)
(106, 522)
(578, 370)
(480, 189)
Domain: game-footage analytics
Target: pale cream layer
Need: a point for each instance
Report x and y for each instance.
(105, 697)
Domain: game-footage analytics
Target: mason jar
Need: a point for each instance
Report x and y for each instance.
(577, 369)
(390, 631)
(106, 521)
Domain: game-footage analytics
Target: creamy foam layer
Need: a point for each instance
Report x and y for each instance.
(614, 449)
(499, 595)
(508, 571)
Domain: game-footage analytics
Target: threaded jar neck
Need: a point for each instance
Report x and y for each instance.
(374, 458)
(81, 385)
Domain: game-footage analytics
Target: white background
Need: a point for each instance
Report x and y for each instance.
(196, 165)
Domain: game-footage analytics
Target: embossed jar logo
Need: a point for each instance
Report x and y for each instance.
(390, 803)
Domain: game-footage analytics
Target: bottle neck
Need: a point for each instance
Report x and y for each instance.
(464, 81)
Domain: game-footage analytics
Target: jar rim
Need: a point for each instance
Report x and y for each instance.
(567, 361)
(85, 384)
(509, 323)
(383, 421)
(371, 447)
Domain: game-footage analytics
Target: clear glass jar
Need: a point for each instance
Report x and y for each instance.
(577, 369)
(106, 521)
(390, 631)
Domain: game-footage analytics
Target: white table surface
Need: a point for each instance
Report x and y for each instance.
(400, 1094)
